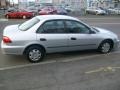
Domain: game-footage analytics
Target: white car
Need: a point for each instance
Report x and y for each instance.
(96, 11)
(114, 11)
(55, 33)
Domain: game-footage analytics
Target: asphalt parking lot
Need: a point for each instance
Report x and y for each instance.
(84, 70)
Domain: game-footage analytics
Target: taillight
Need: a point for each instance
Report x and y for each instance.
(6, 39)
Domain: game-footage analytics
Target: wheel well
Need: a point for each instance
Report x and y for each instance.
(109, 40)
(32, 46)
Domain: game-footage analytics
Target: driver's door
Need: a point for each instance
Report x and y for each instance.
(80, 37)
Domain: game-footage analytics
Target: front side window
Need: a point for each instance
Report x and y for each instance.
(55, 26)
(28, 24)
(76, 27)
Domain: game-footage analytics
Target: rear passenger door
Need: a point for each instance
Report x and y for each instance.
(52, 35)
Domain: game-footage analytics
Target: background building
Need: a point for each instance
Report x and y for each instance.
(75, 4)
(101, 3)
(116, 3)
(104, 3)
(22, 4)
(3, 3)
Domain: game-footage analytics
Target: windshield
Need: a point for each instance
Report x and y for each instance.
(28, 24)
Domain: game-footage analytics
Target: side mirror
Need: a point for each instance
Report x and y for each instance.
(92, 32)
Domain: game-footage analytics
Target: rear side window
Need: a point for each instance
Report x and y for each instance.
(54, 26)
(28, 24)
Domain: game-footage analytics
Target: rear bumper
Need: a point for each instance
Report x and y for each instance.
(15, 50)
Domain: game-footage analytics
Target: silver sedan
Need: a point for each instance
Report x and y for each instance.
(55, 33)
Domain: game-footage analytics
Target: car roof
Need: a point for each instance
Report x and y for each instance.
(52, 17)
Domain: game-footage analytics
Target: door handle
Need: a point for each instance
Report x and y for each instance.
(73, 38)
(43, 39)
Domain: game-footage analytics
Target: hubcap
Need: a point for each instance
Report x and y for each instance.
(35, 55)
(105, 47)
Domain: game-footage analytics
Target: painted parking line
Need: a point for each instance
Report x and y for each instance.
(100, 18)
(2, 19)
(102, 69)
(106, 23)
(80, 58)
(54, 61)
(27, 65)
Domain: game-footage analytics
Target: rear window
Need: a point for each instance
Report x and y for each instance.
(28, 24)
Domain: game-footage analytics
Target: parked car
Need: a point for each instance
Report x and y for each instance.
(3, 8)
(69, 9)
(96, 11)
(61, 11)
(34, 10)
(47, 11)
(114, 10)
(55, 33)
(19, 14)
(11, 9)
(105, 9)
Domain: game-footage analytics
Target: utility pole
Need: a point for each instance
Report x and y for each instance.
(13, 3)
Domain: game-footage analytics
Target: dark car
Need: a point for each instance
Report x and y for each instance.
(47, 11)
(61, 11)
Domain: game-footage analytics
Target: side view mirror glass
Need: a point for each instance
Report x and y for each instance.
(92, 32)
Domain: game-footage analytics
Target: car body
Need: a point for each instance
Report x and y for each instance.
(61, 11)
(55, 33)
(69, 8)
(96, 11)
(33, 10)
(19, 14)
(47, 11)
(11, 9)
(114, 10)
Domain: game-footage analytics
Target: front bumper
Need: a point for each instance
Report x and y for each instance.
(116, 45)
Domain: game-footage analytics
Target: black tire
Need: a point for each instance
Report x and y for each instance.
(87, 12)
(35, 54)
(105, 47)
(96, 13)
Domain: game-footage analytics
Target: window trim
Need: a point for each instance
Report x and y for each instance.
(41, 26)
(30, 26)
(79, 23)
(65, 26)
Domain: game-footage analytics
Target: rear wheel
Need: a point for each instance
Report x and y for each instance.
(106, 46)
(35, 54)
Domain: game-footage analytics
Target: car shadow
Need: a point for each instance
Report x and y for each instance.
(69, 55)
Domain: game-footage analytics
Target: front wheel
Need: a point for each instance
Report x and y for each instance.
(35, 54)
(105, 46)
(96, 13)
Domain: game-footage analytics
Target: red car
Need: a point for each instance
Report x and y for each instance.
(19, 14)
(47, 11)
